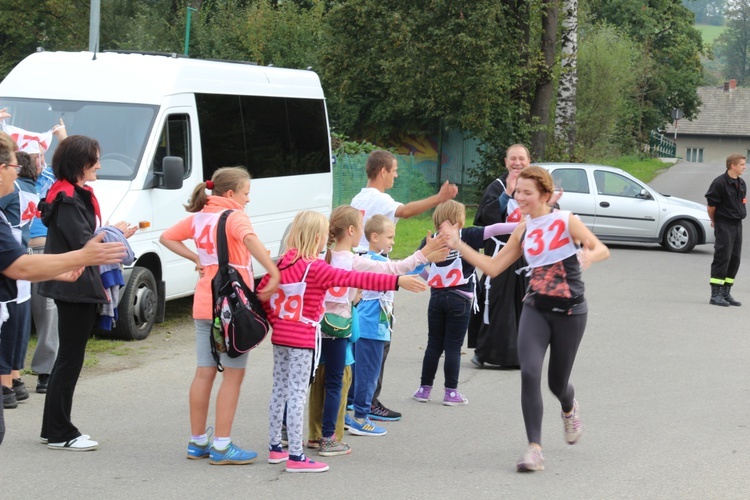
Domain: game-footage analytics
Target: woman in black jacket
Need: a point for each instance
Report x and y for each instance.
(71, 213)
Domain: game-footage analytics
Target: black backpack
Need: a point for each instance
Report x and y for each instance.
(239, 321)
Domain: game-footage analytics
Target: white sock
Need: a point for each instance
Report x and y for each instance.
(222, 443)
(201, 440)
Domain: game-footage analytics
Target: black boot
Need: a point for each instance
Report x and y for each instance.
(726, 293)
(717, 298)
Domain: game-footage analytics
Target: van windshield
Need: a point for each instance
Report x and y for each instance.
(121, 129)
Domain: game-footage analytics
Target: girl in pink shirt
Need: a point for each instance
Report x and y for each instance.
(295, 311)
(230, 190)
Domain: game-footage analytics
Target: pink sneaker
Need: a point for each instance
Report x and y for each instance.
(276, 457)
(305, 465)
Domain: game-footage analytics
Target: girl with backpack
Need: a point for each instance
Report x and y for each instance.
(295, 311)
(230, 190)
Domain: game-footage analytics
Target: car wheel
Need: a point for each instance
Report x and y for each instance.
(680, 236)
(138, 305)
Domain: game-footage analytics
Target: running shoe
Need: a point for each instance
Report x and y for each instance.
(232, 455)
(423, 393)
(572, 425)
(380, 412)
(531, 460)
(364, 427)
(196, 451)
(331, 447)
(347, 421)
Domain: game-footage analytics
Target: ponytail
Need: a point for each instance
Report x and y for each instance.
(198, 199)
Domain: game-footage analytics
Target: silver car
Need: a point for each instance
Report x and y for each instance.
(618, 207)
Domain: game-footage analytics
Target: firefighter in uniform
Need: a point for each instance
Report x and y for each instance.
(726, 199)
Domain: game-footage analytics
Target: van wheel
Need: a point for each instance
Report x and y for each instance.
(138, 305)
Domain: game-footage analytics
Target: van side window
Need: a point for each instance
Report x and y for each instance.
(175, 141)
(271, 136)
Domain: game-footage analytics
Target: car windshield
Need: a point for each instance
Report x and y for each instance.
(121, 129)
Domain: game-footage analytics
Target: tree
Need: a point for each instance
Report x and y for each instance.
(609, 69)
(670, 45)
(565, 113)
(734, 43)
(545, 83)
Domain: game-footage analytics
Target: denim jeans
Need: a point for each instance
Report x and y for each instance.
(334, 353)
(368, 356)
(447, 320)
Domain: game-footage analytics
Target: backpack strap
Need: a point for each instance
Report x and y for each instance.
(222, 248)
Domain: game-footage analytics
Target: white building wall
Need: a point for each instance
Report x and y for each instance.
(715, 149)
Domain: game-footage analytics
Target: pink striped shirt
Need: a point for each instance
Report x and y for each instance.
(319, 279)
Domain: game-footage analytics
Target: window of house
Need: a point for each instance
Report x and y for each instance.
(694, 155)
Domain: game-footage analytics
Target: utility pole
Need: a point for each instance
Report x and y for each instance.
(94, 21)
(190, 11)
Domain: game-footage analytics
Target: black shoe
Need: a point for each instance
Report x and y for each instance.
(381, 413)
(41, 383)
(477, 362)
(20, 389)
(9, 398)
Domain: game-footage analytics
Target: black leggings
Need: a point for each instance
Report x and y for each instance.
(536, 331)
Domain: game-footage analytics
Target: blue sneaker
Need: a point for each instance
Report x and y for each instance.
(196, 451)
(347, 421)
(365, 427)
(233, 455)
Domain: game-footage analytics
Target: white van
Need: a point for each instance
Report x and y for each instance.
(165, 123)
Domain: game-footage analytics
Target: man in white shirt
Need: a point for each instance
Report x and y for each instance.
(382, 171)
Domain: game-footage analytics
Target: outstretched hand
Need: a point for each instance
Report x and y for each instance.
(412, 283)
(448, 191)
(128, 231)
(4, 114)
(435, 248)
(450, 233)
(95, 252)
(511, 181)
(60, 131)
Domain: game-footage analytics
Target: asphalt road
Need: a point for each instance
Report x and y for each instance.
(661, 377)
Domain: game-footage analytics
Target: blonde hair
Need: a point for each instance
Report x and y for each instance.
(342, 218)
(224, 179)
(451, 211)
(308, 229)
(377, 224)
(7, 147)
(541, 177)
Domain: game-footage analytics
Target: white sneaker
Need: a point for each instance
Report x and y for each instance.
(81, 443)
(45, 440)
(572, 425)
